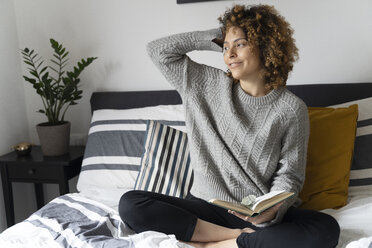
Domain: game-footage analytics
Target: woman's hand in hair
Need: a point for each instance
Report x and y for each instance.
(218, 41)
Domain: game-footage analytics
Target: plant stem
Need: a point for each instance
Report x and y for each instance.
(64, 112)
(42, 96)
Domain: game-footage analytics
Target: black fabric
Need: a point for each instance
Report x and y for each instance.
(133, 99)
(299, 228)
(322, 95)
(143, 211)
(314, 95)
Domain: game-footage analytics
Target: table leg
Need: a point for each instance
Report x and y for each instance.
(63, 187)
(39, 195)
(8, 196)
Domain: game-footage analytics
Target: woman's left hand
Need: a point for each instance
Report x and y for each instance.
(265, 216)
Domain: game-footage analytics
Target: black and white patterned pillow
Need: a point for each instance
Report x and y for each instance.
(115, 145)
(165, 164)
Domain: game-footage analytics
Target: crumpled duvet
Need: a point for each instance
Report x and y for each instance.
(75, 221)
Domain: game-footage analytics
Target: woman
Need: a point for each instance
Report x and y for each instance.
(248, 135)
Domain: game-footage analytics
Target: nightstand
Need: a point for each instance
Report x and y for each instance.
(37, 169)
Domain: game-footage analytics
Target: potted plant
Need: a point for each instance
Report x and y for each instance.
(58, 92)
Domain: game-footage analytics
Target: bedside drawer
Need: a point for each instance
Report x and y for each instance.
(33, 172)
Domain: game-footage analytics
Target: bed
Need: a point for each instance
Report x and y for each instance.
(112, 165)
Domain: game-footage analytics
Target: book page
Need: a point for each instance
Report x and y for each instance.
(264, 202)
(233, 206)
(267, 203)
(265, 197)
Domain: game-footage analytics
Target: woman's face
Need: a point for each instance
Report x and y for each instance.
(241, 58)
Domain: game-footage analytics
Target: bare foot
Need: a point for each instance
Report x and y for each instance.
(230, 243)
(224, 243)
(195, 244)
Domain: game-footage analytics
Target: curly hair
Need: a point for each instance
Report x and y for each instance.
(266, 29)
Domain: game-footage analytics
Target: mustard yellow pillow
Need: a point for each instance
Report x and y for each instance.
(329, 157)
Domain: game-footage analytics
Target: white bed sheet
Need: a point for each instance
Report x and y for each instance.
(44, 231)
(355, 220)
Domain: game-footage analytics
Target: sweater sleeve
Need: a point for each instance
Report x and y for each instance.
(169, 55)
(290, 173)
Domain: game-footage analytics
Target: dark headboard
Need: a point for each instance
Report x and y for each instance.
(133, 99)
(314, 95)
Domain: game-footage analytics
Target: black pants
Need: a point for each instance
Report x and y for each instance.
(143, 211)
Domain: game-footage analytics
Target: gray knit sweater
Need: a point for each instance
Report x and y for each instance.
(239, 144)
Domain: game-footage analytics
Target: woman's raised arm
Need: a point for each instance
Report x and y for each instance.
(169, 55)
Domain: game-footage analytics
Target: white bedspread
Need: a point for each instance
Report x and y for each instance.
(74, 220)
(355, 220)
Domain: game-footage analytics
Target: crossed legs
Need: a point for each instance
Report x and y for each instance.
(200, 224)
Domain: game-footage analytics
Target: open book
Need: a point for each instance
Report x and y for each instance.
(259, 205)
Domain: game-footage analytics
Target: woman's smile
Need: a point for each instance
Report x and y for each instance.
(234, 64)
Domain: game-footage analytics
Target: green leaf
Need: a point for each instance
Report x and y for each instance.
(64, 61)
(29, 63)
(53, 43)
(53, 79)
(42, 70)
(34, 73)
(70, 75)
(37, 60)
(67, 91)
(64, 55)
(55, 62)
(45, 77)
(39, 91)
(54, 69)
(40, 65)
(30, 80)
(33, 57)
(66, 80)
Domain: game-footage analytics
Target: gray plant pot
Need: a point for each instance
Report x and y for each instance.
(54, 140)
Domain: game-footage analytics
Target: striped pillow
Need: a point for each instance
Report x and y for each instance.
(165, 165)
(361, 168)
(115, 145)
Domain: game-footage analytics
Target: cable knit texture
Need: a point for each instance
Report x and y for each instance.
(239, 144)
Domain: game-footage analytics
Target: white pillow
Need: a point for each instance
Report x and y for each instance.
(115, 146)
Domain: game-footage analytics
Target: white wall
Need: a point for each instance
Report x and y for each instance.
(13, 124)
(333, 36)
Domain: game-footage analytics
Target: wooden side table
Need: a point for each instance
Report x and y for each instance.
(37, 169)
